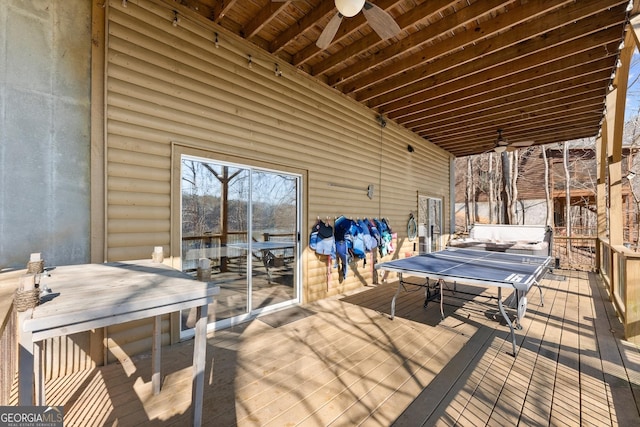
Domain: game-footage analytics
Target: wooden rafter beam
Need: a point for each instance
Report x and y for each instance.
(266, 14)
(220, 9)
(564, 135)
(526, 103)
(490, 35)
(473, 126)
(529, 54)
(319, 13)
(525, 130)
(461, 94)
(519, 127)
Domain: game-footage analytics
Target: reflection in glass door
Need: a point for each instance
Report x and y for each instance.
(239, 230)
(429, 224)
(274, 236)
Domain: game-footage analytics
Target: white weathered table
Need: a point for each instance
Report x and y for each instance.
(90, 296)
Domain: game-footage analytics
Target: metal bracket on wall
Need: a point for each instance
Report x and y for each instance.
(369, 188)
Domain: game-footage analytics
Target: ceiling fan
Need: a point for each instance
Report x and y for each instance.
(379, 20)
(502, 144)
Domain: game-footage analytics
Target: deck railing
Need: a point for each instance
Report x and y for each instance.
(619, 267)
(8, 351)
(575, 253)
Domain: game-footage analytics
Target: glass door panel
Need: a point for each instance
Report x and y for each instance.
(215, 222)
(274, 238)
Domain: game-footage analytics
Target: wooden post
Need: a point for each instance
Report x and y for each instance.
(632, 297)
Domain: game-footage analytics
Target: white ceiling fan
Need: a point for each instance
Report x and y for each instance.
(379, 20)
(503, 144)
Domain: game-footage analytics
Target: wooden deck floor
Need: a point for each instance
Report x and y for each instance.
(343, 362)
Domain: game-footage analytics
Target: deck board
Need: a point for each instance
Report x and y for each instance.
(347, 364)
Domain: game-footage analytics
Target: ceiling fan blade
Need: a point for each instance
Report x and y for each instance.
(381, 22)
(329, 31)
(522, 143)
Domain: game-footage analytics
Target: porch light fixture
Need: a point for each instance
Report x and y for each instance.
(349, 8)
(215, 41)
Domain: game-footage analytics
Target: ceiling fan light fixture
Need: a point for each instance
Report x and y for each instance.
(349, 8)
(500, 148)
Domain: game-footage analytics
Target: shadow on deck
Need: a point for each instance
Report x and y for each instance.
(344, 362)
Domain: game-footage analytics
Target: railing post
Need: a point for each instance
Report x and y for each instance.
(631, 279)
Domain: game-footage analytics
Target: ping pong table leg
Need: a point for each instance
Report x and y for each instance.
(441, 284)
(540, 289)
(504, 314)
(393, 301)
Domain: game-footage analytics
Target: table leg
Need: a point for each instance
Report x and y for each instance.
(522, 307)
(156, 349)
(199, 362)
(504, 314)
(539, 289)
(393, 301)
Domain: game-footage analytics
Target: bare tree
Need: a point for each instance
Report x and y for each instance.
(513, 182)
(509, 186)
(567, 195)
(469, 195)
(492, 190)
(547, 190)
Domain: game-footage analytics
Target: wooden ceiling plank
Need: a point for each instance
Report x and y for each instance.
(520, 128)
(472, 148)
(516, 124)
(565, 127)
(510, 47)
(264, 16)
(418, 14)
(417, 40)
(465, 93)
(491, 75)
(535, 52)
(200, 8)
(501, 119)
(517, 107)
(491, 34)
(503, 98)
(319, 13)
(220, 9)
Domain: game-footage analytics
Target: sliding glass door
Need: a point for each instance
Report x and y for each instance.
(240, 228)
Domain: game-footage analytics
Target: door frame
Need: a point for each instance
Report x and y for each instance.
(178, 150)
